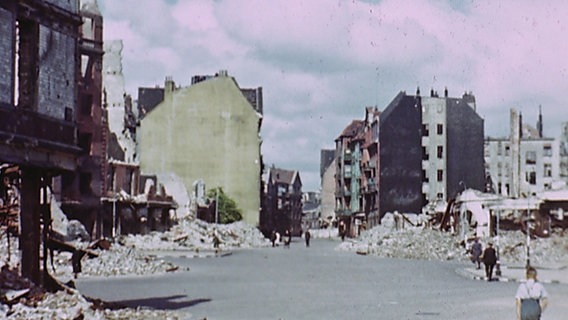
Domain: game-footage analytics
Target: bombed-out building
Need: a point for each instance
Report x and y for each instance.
(431, 148)
(39, 80)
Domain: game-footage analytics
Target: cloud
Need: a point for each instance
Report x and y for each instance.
(321, 62)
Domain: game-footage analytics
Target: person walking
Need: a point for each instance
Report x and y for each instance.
(531, 298)
(489, 258)
(307, 236)
(476, 251)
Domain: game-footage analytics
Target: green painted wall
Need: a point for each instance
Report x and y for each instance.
(206, 131)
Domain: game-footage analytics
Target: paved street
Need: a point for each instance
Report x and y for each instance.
(319, 283)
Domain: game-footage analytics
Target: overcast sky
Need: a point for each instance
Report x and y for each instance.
(321, 62)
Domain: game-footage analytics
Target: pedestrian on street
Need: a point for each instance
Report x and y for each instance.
(307, 235)
(489, 258)
(531, 297)
(476, 251)
(288, 238)
(273, 238)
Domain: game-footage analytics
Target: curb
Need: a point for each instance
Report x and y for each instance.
(468, 274)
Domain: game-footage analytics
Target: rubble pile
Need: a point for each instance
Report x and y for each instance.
(117, 260)
(31, 302)
(393, 241)
(190, 234)
(543, 251)
(411, 243)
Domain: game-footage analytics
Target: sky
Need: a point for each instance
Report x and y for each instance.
(320, 62)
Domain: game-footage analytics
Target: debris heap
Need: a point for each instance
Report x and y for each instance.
(194, 234)
(389, 240)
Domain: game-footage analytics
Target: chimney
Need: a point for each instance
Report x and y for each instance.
(446, 92)
(169, 86)
(539, 122)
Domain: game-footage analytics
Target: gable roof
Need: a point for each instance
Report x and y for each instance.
(283, 176)
(352, 130)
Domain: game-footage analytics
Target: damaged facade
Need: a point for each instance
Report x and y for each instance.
(79, 192)
(210, 131)
(431, 148)
(328, 167)
(132, 202)
(282, 207)
(356, 182)
(40, 69)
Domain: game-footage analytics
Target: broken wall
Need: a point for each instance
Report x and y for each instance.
(56, 79)
(6, 56)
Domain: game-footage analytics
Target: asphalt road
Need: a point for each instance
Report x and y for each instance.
(318, 283)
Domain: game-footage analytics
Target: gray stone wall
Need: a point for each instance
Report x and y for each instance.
(6, 56)
(56, 81)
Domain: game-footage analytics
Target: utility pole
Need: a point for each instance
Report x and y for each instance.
(217, 205)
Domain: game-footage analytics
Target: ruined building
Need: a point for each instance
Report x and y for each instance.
(356, 183)
(282, 207)
(431, 148)
(39, 81)
(327, 175)
(209, 130)
(80, 192)
(132, 202)
(525, 163)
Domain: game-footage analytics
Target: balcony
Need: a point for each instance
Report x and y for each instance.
(347, 157)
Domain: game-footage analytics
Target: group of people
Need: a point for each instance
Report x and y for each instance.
(487, 256)
(275, 238)
(531, 297)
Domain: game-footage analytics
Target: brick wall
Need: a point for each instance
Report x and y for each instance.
(6, 56)
(56, 81)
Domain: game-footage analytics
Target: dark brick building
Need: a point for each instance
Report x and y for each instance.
(430, 148)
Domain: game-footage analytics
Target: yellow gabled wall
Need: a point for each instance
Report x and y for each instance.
(206, 131)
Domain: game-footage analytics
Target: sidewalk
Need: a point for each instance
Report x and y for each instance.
(554, 273)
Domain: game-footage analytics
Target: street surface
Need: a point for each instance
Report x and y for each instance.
(318, 283)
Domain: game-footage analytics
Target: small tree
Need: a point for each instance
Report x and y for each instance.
(227, 207)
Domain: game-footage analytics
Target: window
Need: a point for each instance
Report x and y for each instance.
(85, 140)
(547, 150)
(507, 151)
(425, 153)
(530, 157)
(85, 183)
(425, 132)
(531, 177)
(440, 128)
(547, 170)
(440, 152)
(440, 175)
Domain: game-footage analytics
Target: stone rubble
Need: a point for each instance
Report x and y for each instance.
(386, 240)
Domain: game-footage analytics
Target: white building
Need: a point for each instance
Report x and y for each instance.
(523, 164)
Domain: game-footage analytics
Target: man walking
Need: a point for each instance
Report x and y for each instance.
(489, 259)
(307, 235)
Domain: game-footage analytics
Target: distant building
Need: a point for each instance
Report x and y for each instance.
(328, 168)
(282, 208)
(431, 148)
(523, 164)
(357, 160)
(311, 211)
(208, 131)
